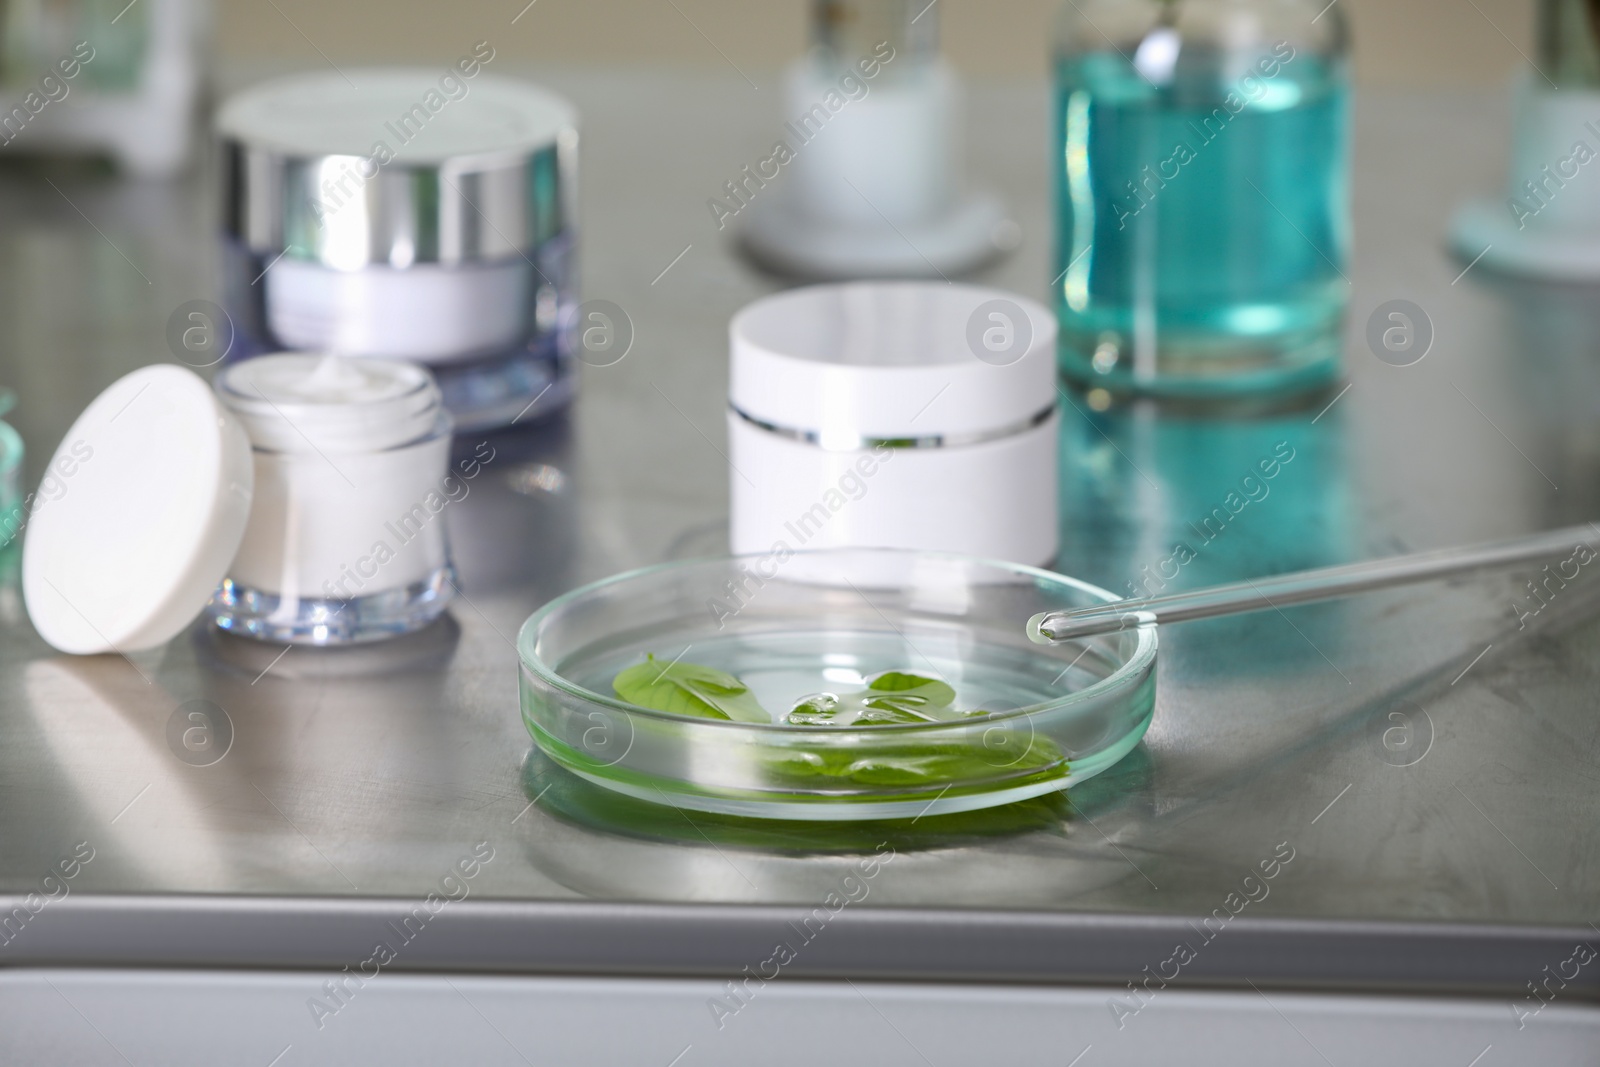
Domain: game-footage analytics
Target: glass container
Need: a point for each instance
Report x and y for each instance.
(1546, 222)
(605, 845)
(881, 192)
(35, 35)
(842, 31)
(11, 516)
(408, 214)
(811, 622)
(345, 540)
(1202, 196)
(1569, 43)
(875, 82)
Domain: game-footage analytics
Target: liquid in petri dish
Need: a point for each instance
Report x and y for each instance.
(782, 669)
(1203, 223)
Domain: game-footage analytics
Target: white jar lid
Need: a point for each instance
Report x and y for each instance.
(155, 480)
(843, 364)
(310, 116)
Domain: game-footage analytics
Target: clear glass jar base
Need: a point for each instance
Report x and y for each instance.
(238, 609)
(495, 394)
(1293, 374)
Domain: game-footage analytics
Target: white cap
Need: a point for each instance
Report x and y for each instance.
(154, 485)
(865, 360)
(320, 114)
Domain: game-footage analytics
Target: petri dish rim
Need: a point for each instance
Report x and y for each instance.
(1138, 661)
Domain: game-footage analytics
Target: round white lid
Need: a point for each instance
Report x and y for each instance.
(141, 512)
(893, 360)
(325, 114)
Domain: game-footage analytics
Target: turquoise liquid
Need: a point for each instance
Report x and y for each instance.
(1201, 247)
(11, 517)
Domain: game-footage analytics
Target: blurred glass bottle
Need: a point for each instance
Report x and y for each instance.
(882, 194)
(38, 33)
(1569, 43)
(10, 476)
(120, 79)
(843, 31)
(1547, 223)
(1202, 195)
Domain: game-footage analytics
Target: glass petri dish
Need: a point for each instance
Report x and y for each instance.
(1040, 852)
(796, 624)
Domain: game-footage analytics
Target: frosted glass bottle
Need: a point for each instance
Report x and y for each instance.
(1569, 43)
(1202, 196)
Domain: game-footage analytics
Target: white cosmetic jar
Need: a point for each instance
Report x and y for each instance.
(346, 539)
(406, 214)
(894, 415)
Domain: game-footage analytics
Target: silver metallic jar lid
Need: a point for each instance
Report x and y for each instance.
(397, 166)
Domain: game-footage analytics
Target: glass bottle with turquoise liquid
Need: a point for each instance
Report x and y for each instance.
(10, 478)
(1202, 196)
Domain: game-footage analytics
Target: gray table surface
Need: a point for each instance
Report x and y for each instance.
(1427, 760)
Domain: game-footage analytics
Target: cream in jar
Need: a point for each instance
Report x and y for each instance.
(345, 540)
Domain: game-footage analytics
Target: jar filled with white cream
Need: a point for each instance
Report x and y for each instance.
(345, 539)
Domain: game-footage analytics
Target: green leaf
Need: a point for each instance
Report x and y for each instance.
(688, 689)
(922, 764)
(890, 698)
(914, 694)
(893, 681)
(893, 698)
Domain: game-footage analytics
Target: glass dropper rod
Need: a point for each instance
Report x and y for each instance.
(1329, 583)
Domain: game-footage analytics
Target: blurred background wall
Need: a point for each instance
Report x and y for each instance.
(1420, 43)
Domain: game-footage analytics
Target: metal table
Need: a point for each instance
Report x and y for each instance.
(1428, 759)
